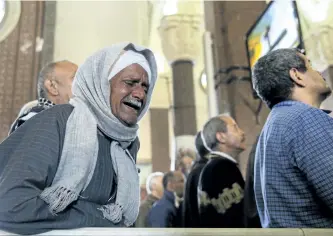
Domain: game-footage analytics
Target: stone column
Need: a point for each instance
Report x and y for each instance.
(181, 43)
(159, 118)
(184, 103)
(229, 21)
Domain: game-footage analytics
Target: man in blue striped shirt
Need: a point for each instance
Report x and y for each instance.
(293, 179)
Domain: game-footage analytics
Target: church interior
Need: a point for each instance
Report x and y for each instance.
(204, 52)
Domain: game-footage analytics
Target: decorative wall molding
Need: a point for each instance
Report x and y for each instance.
(181, 37)
(317, 30)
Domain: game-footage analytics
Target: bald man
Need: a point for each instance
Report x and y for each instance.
(155, 191)
(54, 86)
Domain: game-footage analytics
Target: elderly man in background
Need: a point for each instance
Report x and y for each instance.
(184, 160)
(74, 165)
(221, 184)
(165, 213)
(155, 190)
(54, 87)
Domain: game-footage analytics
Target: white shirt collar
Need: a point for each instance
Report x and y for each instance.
(224, 155)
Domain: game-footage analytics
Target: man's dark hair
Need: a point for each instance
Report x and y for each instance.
(214, 125)
(270, 75)
(202, 151)
(167, 178)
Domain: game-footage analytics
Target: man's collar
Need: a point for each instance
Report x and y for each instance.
(43, 102)
(292, 102)
(326, 111)
(225, 155)
(172, 197)
(169, 195)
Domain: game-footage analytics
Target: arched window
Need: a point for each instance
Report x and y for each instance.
(10, 12)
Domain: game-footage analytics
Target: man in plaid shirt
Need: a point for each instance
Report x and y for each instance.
(293, 179)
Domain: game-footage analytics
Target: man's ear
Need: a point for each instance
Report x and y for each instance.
(297, 77)
(51, 87)
(221, 137)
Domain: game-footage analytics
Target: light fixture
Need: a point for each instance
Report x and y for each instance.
(203, 81)
(170, 7)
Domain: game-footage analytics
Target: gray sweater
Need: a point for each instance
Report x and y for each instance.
(28, 162)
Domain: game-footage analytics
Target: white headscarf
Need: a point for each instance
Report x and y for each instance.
(128, 58)
(92, 109)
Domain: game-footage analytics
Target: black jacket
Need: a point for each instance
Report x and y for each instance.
(190, 204)
(252, 219)
(221, 194)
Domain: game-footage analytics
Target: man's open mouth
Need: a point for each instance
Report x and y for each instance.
(136, 105)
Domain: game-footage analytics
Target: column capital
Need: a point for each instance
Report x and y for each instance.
(317, 31)
(180, 35)
(318, 44)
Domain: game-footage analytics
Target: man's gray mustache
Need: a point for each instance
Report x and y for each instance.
(133, 101)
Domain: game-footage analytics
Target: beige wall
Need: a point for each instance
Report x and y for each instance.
(82, 27)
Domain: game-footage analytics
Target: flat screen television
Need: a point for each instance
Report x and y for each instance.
(277, 27)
